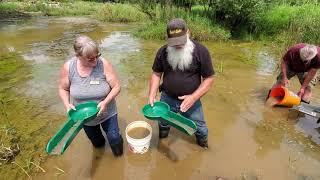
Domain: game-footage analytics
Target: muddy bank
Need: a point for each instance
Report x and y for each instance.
(25, 121)
(4, 15)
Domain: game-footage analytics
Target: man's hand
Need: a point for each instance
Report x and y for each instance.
(187, 103)
(153, 86)
(102, 105)
(152, 99)
(301, 92)
(285, 82)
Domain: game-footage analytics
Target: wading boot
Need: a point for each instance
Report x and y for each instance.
(117, 149)
(163, 132)
(202, 141)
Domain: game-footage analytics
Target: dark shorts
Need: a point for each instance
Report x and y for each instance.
(301, 76)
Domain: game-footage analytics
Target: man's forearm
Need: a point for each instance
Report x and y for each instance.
(284, 69)
(154, 83)
(203, 88)
(311, 74)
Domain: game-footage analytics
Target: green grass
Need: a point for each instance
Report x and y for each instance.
(102, 11)
(120, 13)
(201, 28)
(8, 6)
(290, 23)
(152, 30)
(281, 23)
(275, 20)
(199, 31)
(23, 121)
(77, 8)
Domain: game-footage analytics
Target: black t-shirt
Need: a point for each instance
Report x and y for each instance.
(178, 83)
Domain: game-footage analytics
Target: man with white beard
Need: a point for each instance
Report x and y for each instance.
(186, 68)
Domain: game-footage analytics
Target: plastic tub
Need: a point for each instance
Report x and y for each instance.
(139, 146)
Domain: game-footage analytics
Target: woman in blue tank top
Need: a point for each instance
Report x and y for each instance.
(89, 77)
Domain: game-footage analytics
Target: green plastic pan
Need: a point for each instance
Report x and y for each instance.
(161, 112)
(76, 119)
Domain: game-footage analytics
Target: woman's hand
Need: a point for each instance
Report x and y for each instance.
(70, 106)
(102, 107)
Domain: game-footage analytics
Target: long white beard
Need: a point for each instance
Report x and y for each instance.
(181, 58)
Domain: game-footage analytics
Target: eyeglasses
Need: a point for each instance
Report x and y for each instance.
(94, 58)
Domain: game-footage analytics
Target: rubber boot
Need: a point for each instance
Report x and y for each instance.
(202, 141)
(117, 149)
(163, 132)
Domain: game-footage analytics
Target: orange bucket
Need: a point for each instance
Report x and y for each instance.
(284, 97)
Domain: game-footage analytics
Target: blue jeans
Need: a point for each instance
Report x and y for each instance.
(110, 127)
(195, 113)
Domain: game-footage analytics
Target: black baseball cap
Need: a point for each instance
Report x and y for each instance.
(177, 32)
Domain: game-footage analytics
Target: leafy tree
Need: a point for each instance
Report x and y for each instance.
(235, 13)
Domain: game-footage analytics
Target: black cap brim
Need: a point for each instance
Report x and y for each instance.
(176, 41)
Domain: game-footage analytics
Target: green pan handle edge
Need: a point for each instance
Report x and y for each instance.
(182, 119)
(54, 141)
(72, 136)
(171, 121)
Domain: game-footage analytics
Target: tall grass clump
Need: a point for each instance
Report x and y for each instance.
(120, 13)
(275, 20)
(201, 28)
(111, 12)
(8, 6)
(10, 9)
(49, 8)
(306, 24)
(76, 8)
(290, 23)
(152, 30)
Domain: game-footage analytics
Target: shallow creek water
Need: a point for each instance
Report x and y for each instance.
(247, 139)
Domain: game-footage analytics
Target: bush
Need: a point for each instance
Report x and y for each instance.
(235, 14)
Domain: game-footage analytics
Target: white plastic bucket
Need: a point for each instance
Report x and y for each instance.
(139, 145)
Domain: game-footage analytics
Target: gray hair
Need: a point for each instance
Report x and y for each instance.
(308, 52)
(84, 46)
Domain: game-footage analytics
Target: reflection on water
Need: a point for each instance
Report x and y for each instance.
(247, 139)
(266, 64)
(120, 43)
(310, 128)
